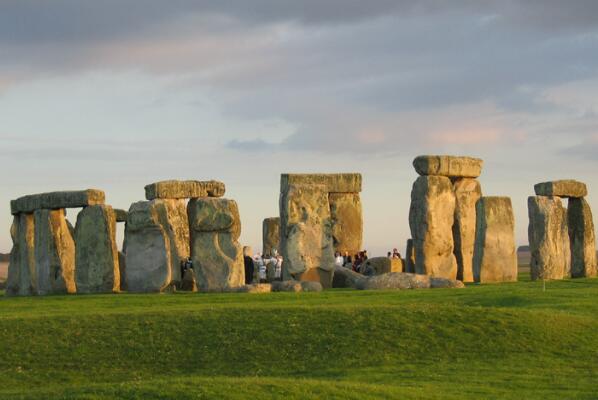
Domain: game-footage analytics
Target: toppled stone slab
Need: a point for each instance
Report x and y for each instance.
(270, 235)
(467, 192)
(548, 238)
(120, 214)
(287, 286)
(255, 288)
(96, 263)
(54, 253)
(564, 188)
(345, 278)
(330, 183)
(402, 280)
(57, 200)
(431, 219)
(21, 279)
(174, 189)
(382, 265)
(495, 255)
(583, 240)
(450, 166)
(309, 286)
(347, 222)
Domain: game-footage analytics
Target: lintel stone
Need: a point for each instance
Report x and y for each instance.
(567, 188)
(57, 200)
(174, 189)
(450, 166)
(331, 183)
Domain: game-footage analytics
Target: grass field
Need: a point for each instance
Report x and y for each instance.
(510, 341)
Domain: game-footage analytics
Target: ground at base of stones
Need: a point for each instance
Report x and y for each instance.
(507, 341)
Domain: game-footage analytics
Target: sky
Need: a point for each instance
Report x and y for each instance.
(121, 93)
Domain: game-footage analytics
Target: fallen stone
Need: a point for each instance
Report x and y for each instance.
(347, 222)
(148, 253)
(410, 257)
(54, 253)
(431, 219)
(121, 215)
(174, 189)
(394, 280)
(96, 254)
(57, 200)
(563, 188)
(450, 166)
(306, 234)
(345, 278)
(382, 265)
(330, 183)
(255, 288)
(21, 279)
(443, 283)
(583, 240)
(287, 286)
(270, 235)
(495, 256)
(548, 238)
(307, 286)
(467, 193)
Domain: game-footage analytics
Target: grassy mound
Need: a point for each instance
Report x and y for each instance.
(502, 341)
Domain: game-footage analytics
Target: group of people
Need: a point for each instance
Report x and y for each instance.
(268, 268)
(357, 262)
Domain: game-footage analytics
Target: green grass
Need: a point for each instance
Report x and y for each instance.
(510, 341)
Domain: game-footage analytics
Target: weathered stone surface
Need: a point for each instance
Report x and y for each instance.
(54, 253)
(443, 283)
(255, 288)
(148, 253)
(562, 188)
(345, 278)
(583, 240)
(56, 200)
(548, 238)
(431, 219)
(270, 235)
(347, 222)
(122, 269)
(121, 215)
(96, 262)
(21, 280)
(306, 234)
(184, 189)
(172, 216)
(330, 183)
(495, 256)
(467, 193)
(214, 215)
(410, 257)
(287, 286)
(382, 265)
(394, 280)
(310, 286)
(215, 250)
(450, 166)
(189, 284)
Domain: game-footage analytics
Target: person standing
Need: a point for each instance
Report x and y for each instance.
(249, 268)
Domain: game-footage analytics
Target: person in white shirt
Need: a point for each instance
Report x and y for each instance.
(338, 259)
(278, 268)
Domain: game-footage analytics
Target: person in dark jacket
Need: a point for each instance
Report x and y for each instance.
(249, 267)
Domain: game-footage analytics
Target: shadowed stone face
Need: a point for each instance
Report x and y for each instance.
(271, 235)
(347, 222)
(583, 240)
(21, 280)
(431, 219)
(495, 257)
(410, 257)
(548, 238)
(564, 188)
(449, 166)
(467, 193)
(57, 200)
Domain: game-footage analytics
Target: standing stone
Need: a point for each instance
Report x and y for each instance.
(467, 193)
(431, 219)
(270, 235)
(495, 256)
(306, 234)
(54, 253)
(96, 251)
(148, 253)
(173, 218)
(410, 257)
(347, 222)
(21, 269)
(583, 240)
(548, 238)
(217, 255)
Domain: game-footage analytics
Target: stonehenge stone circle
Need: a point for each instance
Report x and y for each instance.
(174, 189)
(449, 166)
(568, 188)
(96, 265)
(21, 279)
(270, 235)
(583, 240)
(57, 200)
(217, 255)
(347, 222)
(467, 193)
(495, 257)
(548, 238)
(148, 254)
(54, 253)
(431, 218)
